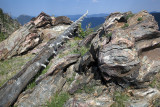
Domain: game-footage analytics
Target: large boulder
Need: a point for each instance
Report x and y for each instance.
(132, 52)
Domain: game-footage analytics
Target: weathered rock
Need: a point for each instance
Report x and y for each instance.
(32, 34)
(60, 64)
(42, 20)
(19, 42)
(144, 97)
(115, 21)
(48, 34)
(84, 63)
(43, 91)
(120, 57)
(87, 40)
(62, 20)
(52, 33)
(98, 98)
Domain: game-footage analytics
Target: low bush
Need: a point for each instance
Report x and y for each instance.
(125, 25)
(58, 100)
(140, 19)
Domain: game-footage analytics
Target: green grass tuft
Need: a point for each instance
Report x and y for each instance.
(58, 100)
(10, 67)
(125, 25)
(83, 33)
(120, 98)
(109, 34)
(129, 15)
(140, 19)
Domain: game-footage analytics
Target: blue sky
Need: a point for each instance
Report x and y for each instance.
(71, 7)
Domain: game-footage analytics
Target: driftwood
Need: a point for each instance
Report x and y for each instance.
(13, 87)
(60, 64)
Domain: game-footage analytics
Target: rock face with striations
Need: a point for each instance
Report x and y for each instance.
(37, 32)
(128, 55)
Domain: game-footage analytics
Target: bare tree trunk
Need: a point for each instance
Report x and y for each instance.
(13, 87)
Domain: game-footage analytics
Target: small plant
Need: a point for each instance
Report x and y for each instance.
(83, 50)
(83, 33)
(139, 19)
(72, 44)
(77, 38)
(31, 85)
(156, 102)
(70, 80)
(119, 98)
(125, 25)
(129, 15)
(86, 89)
(58, 100)
(109, 34)
(2, 36)
(155, 83)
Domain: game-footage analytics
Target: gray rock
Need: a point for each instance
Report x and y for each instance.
(42, 92)
(122, 56)
(19, 42)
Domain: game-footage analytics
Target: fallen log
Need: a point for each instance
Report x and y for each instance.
(13, 87)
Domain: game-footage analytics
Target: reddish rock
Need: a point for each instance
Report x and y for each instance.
(42, 20)
(62, 20)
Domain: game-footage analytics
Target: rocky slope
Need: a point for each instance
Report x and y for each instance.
(117, 66)
(7, 25)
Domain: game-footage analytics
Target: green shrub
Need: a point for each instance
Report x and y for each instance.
(125, 25)
(77, 38)
(70, 80)
(119, 98)
(2, 36)
(155, 83)
(86, 89)
(140, 19)
(83, 33)
(58, 100)
(109, 34)
(83, 50)
(129, 15)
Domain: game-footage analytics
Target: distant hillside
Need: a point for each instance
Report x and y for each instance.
(157, 17)
(23, 19)
(94, 21)
(7, 25)
(75, 17)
